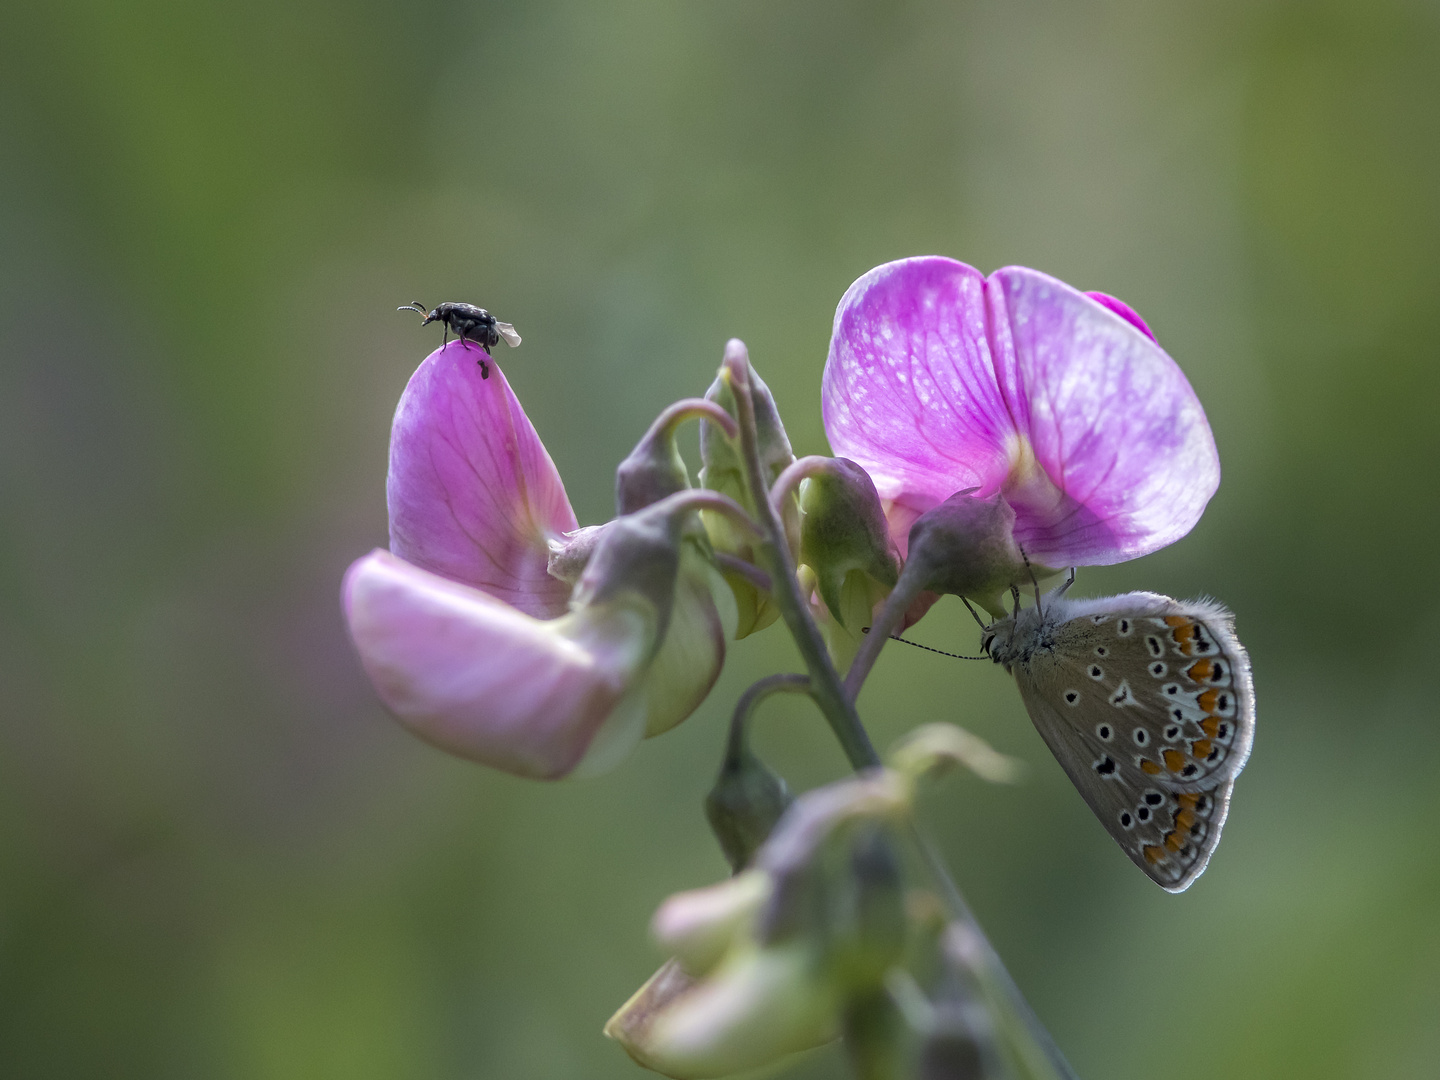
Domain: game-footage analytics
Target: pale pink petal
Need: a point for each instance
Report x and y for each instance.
(911, 389)
(478, 678)
(473, 494)
(1126, 453)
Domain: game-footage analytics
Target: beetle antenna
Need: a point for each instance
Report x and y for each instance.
(414, 305)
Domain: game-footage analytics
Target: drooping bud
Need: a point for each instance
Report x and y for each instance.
(843, 529)
(748, 797)
(747, 800)
(723, 470)
(846, 554)
(655, 469)
(966, 546)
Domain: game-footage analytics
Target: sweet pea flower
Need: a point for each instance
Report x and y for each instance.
(470, 639)
(1061, 403)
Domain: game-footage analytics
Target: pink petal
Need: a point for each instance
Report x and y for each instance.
(478, 678)
(473, 494)
(911, 389)
(1124, 310)
(1113, 423)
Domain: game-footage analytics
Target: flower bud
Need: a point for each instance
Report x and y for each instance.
(723, 471)
(747, 800)
(843, 529)
(655, 469)
(966, 546)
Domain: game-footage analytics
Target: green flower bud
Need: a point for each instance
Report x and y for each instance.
(842, 529)
(723, 471)
(747, 800)
(966, 546)
(655, 469)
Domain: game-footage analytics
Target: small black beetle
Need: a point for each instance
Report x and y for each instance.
(470, 323)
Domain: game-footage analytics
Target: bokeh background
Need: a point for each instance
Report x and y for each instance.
(219, 857)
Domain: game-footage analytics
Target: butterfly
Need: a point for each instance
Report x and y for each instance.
(1149, 706)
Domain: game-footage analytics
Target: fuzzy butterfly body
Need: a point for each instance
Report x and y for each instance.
(1148, 704)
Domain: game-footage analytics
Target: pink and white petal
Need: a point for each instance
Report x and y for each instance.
(1127, 456)
(473, 676)
(473, 494)
(911, 388)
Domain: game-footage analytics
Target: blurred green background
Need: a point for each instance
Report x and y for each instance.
(219, 857)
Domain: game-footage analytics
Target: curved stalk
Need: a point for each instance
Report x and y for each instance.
(774, 554)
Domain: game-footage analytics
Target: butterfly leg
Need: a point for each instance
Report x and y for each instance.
(1070, 580)
(1033, 580)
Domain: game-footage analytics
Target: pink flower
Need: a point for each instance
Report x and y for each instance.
(469, 639)
(472, 491)
(941, 380)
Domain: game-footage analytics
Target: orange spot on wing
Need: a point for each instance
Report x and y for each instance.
(1185, 820)
(1200, 747)
(1211, 726)
(1154, 854)
(1175, 622)
(1149, 767)
(1174, 841)
(1201, 670)
(1174, 760)
(1187, 799)
(1207, 700)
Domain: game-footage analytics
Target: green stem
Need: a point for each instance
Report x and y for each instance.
(774, 554)
(758, 692)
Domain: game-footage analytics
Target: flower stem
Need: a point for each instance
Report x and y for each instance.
(886, 623)
(825, 686)
(756, 693)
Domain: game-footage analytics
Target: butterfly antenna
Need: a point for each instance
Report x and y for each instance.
(927, 648)
(1015, 595)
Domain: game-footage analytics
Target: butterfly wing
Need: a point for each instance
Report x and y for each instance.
(1148, 705)
(506, 331)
